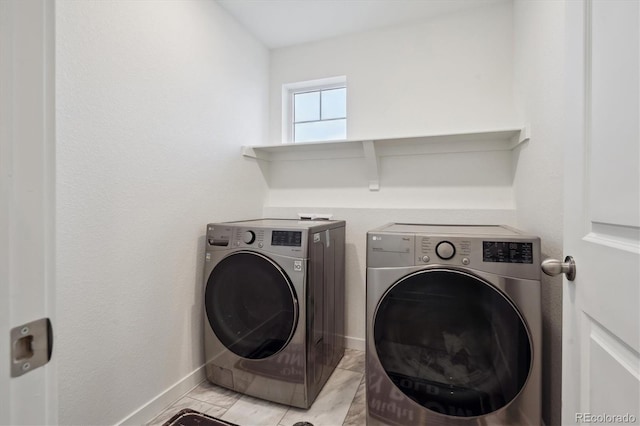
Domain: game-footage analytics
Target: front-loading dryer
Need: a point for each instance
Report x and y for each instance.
(453, 326)
(274, 307)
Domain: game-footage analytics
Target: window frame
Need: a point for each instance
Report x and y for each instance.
(288, 92)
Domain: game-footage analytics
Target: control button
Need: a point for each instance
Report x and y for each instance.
(249, 237)
(297, 265)
(260, 245)
(445, 250)
(426, 259)
(465, 260)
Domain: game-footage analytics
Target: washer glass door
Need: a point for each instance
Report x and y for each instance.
(251, 305)
(452, 342)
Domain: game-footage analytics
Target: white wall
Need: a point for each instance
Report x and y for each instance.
(470, 180)
(450, 73)
(154, 100)
(538, 182)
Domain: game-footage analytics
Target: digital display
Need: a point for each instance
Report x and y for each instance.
(507, 252)
(286, 238)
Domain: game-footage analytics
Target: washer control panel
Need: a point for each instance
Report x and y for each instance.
(249, 237)
(285, 241)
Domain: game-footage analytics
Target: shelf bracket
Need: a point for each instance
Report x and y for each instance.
(250, 152)
(371, 160)
(523, 136)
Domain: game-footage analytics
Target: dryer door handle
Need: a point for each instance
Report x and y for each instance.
(553, 267)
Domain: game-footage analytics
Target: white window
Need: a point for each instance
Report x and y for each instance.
(315, 110)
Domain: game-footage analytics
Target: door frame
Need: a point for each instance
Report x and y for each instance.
(27, 199)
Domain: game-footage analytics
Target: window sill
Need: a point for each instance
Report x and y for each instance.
(372, 149)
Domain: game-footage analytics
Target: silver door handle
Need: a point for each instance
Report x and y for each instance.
(553, 267)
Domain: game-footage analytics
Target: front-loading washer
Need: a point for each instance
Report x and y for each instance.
(274, 306)
(453, 326)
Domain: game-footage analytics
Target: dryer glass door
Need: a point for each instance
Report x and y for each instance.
(251, 305)
(452, 342)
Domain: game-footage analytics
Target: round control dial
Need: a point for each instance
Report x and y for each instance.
(249, 237)
(445, 250)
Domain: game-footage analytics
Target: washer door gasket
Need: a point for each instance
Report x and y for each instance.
(452, 342)
(251, 305)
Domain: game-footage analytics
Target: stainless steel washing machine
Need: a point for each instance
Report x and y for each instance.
(453, 326)
(274, 307)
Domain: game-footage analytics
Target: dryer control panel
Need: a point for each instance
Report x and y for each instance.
(491, 249)
(443, 249)
(507, 251)
(459, 250)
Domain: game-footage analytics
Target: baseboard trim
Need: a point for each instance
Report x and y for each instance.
(154, 407)
(354, 343)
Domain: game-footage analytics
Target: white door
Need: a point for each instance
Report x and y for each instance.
(601, 320)
(26, 204)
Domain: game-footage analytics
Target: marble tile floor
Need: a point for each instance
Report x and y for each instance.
(340, 402)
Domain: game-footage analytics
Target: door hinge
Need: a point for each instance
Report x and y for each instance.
(31, 346)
